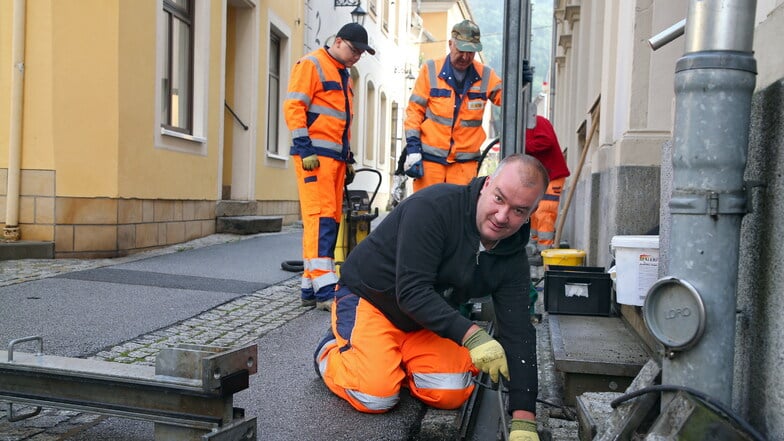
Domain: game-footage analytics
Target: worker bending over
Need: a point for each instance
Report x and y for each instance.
(396, 321)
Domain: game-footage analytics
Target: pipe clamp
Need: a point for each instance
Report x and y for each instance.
(710, 202)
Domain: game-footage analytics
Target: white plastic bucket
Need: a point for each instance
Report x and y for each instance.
(636, 267)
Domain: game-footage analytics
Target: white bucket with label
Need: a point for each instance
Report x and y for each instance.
(636, 267)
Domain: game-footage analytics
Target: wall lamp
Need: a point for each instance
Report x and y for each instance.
(358, 14)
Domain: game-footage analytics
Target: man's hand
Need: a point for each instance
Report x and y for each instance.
(350, 173)
(523, 430)
(413, 165)
(487, 354)
(310, 162)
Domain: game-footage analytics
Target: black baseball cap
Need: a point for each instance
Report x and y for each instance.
(355, 34)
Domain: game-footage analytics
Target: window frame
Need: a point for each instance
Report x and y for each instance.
(165, 138)
(174, 13)
(274, 105)
(283, 32)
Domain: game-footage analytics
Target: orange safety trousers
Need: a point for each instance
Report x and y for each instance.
(321, 204)
(543, 219)
(369, 359)
(459, 173)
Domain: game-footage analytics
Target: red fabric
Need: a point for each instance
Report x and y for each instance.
(541, 142)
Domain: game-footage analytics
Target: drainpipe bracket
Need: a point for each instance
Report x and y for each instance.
(735, 60)
(709, 202)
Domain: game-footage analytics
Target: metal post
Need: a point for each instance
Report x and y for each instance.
(515, 98)
(714, 82)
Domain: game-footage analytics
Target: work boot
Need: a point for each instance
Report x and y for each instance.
(323, 348)
(326, 305)
(308, 303)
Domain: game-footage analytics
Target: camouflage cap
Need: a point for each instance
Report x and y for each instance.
(466, 36)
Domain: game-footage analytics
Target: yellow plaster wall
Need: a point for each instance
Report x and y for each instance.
(85, 117)
(276, 183)
(37, 112)
(146, 171)
(436, 24)
(5, 76)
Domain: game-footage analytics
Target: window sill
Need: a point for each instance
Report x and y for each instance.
(184, 136)
(277, 157)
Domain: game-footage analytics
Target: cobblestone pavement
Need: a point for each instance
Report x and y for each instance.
(238, 322)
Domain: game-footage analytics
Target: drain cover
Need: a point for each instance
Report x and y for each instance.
(674, 313)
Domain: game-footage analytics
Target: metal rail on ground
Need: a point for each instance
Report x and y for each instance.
(188, 394)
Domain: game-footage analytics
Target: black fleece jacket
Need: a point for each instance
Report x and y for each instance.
(423, 261)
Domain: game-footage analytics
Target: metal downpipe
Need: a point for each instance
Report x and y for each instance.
(11, 229)
(714, 82)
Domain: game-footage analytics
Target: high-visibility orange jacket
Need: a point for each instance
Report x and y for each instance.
(444, 123)
(318, 107)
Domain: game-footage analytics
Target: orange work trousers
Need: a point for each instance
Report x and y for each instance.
(543, 219)
(455, 173)
(369, 359)
(321, 204)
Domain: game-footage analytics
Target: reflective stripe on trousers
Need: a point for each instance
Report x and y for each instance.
(543, 220)
(321, 204)
(371, 359)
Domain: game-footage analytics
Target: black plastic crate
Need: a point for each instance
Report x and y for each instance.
(577, 290)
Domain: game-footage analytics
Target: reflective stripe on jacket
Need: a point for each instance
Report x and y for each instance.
(446, 121)
(318, 106)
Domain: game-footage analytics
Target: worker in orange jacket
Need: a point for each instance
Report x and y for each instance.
(443, 125)
(318, 111)
(541, 142)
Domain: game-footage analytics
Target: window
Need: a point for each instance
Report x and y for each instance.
(177, 81)
(273, 100)
(385, 17)
(370, 124)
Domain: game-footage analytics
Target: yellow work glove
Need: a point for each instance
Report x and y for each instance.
(310, 162)
(350, 173)
(523, 430)
(487, 354)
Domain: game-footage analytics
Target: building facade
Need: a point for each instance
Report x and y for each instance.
(133, 125)
(614, 105)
